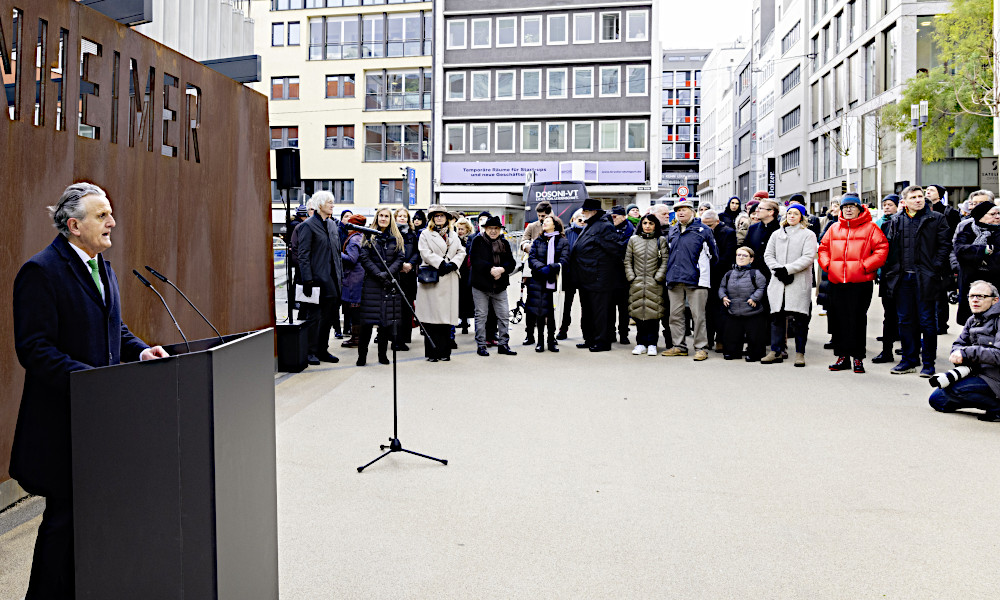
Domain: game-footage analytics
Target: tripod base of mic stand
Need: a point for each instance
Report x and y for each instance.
(396, 446)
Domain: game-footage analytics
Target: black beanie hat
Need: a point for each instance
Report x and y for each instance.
(981, 209)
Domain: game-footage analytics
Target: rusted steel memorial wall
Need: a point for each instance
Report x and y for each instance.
(181, 150)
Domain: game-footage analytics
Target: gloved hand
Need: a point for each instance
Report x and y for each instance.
(543, 271)
(782, 274)
(384, 278)
(447, 267)
(553, 271)
(307, 288)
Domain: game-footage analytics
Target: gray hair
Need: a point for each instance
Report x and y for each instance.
(710, 214)
(70, 206)
(705, 206)
(993, 288)
(321, 197)
(311, 203)
(986, 193)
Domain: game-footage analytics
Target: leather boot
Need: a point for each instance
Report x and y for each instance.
(383, 345)
(551, 342)
(540, 346)
(363, 335)
(353, 341)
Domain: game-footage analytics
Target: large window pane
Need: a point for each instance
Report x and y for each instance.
(531, 31)
(530, 133)
(609, 136)
(583, 82)
(506, 31)
(555, 137)
(531, 84)
(505, 137)
(583, 137)
(505, 85)
(480, 134)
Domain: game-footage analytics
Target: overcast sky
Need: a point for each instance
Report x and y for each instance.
(704, 23)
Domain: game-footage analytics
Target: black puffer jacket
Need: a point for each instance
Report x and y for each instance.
(539, 299)
(481, 261)
(596, 257)
(380, 301)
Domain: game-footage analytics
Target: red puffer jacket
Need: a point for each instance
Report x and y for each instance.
(853, 250)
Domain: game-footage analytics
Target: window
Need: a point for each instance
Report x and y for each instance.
(790, 81)
(635, 78)
(555, 137)
(531, 137)
(667, 115)
(456, 34)
(531, 31)
(815, 160)
(557, 30)
(791, 37)
(609, 81)
(667, 79)
(790, 160)
(636, 26)
(399, 142)
(583, 137)
(505, 138)
(790, 121)
(480, 138)
(392, 191)
(814, 97)
(610, 137)
(456, 86)
(505, 85)
(455, 138)
(531, 84)
(284, 137)
(506, 32)
(341, 38)
(583, 28)
(284, 88)
(277, 34)
(403, 90)
(683, 133)
(891, 44)
(294, 33)
(481, 85)
(611, 27)
(340, 86)
(342, 189)
(481, 34)
(339, 137)
(556, 83)
(583, 82)
(404, 35)
(373, 36)
(635, 135)
(870, 70)
(684, 97)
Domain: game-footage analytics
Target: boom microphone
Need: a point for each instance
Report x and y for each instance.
(146, 283)
(361, 229)
(164, 279)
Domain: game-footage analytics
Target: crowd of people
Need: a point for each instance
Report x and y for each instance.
(739, 282)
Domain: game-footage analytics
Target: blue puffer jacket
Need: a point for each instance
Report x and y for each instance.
(692, 254)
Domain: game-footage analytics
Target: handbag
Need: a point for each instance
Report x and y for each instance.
(427, 274)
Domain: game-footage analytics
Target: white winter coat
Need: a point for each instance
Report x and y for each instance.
(795, 249)
(437, 303)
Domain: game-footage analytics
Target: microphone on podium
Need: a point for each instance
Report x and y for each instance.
(164, 279)
(146, 283)
(358, 228)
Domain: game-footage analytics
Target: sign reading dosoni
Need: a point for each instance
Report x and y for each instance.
(181, 150)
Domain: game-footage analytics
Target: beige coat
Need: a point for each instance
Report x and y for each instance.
(437, 303)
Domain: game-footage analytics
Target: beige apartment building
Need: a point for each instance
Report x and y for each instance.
(349, 83)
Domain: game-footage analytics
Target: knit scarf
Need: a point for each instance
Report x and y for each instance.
(983, 232)
(550, 255)
(404, 228)
(498, 250)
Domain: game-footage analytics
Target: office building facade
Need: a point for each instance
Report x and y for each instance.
(681, 121)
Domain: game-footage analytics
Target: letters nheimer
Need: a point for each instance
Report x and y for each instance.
(97, 106)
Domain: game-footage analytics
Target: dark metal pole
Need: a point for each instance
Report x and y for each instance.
(289, 284)
(920, 154)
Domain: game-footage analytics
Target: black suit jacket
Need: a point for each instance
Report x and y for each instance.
(61, 325)
(319, 255)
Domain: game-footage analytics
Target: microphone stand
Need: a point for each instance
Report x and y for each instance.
(164, 279)
(146, 283)
(394, 444)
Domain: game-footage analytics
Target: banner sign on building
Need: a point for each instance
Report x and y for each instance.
(411, 185)
(514, 172)
(772, 179)
(989, 174)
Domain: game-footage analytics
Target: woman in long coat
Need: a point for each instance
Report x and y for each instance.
(789, 255)
(646, 269)
(354, 275)
(407, 277)
(466, 307)
(381, 303)
(548, 256)
(437, 303)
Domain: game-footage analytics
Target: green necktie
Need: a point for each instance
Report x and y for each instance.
(96, 274)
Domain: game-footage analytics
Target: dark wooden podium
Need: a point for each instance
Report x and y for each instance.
(174, 479)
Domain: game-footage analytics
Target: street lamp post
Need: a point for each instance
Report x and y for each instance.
(918, 118)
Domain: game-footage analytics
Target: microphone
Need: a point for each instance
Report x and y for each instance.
(361, 229)
(146, 283)
(164, 279)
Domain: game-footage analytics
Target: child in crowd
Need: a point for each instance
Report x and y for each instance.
(742, 292)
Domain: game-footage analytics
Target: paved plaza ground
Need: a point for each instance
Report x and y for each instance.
(579, 475)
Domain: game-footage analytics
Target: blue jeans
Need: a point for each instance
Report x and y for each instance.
(917, 317)
(970, 392)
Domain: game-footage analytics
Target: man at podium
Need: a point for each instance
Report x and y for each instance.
(67, 317)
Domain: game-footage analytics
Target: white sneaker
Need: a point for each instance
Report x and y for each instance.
(651, 351)
(638, 350)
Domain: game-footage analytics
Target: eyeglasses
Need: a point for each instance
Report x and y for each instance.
(980, 296)
(743, 254)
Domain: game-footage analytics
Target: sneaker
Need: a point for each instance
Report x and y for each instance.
(859, 365)
(903, 368)
(651, 351)
(843, 363)
(822, 312)
(638, 350)
(701, 354)
(675, 351)
(927, 371)
(771, 357)
(800, 359)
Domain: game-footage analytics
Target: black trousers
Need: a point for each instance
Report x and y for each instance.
(847, 311)
(440, 334)
(568, 294)
(621, 302)
(714, 321)
(319, 318)
(786, 322)
(942, 311)
(751, 331)
(52, 566)
(597, 320)
(646, 333)
(383, 338)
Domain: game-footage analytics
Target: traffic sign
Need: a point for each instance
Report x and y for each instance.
(683, 191)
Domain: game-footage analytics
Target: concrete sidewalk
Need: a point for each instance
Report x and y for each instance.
(579, 475)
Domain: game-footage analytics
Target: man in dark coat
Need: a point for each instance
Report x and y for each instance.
(67, 317)
(919, 246)
(491, 261)
(596, 261)
(759, 234)
(625, 230)
(725, 244)
(320, 266)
